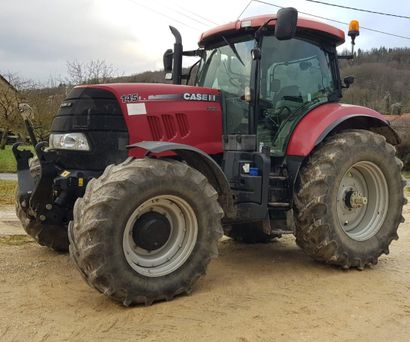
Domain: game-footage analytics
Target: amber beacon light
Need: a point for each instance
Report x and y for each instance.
(353, 29)
(353, 32)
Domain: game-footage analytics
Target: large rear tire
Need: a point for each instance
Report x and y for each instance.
(349, 199)
(51, 236)
(145, 230)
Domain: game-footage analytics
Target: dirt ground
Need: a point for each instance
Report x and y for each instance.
(251, 293)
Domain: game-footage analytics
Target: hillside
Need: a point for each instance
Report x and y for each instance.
(382, 79)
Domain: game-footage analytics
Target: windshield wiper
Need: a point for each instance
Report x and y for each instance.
(233, 48)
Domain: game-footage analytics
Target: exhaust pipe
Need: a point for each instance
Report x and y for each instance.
(177, 60)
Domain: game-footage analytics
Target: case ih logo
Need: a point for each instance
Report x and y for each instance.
(199, 97)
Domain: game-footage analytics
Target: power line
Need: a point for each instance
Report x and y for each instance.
(246, 7)
(197, 15)
(336, 21)
(186, 16)
(360, 9)
(165, 15)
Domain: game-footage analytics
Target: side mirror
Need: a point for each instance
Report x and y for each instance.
(348, 81)
(167, 59)
(286, 23)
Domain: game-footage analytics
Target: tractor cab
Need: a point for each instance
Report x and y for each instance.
(268, 86)
(270, 82)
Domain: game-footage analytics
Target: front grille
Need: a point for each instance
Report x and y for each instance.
(97, 114)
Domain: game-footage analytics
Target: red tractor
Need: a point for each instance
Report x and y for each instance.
(147, 177)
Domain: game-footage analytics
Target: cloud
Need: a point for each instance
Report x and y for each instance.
(38, 37)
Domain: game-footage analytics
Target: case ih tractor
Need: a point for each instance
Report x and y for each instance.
(145, 178)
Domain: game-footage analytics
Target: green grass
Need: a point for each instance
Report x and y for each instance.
(15, 240)
(406, 174)
(7, 192)
(7, 161)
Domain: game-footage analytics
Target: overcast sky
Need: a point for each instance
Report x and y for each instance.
(37, 37)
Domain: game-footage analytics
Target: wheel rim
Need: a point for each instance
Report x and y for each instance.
(170, 252)
(362, 201)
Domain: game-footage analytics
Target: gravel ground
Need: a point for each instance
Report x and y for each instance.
(251, 293)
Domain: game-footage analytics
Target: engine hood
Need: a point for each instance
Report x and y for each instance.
(167, 112)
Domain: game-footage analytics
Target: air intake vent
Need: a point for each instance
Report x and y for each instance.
(155, 127)
(169, 125)
(182, 124)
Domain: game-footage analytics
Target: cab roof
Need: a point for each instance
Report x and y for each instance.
(304, 24)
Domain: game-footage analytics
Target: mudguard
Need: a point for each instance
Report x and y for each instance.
(325, 119)
(199, 160)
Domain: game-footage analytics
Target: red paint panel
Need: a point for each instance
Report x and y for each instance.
(309, 129)
(170, 117)
(258, 21)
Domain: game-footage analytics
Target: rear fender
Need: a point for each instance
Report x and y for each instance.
(199, 161)
(331, 118)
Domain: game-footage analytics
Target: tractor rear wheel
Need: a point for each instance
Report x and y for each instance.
(51, 236)
(145, 230)
(349, 199)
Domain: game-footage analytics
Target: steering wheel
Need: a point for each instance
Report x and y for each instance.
(235, 81)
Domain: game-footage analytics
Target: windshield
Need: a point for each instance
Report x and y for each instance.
(228, 68)
(294, 76)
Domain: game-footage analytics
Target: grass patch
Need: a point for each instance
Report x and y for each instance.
(7, 191)
(7, 161)
(15, 240)
(406, 174)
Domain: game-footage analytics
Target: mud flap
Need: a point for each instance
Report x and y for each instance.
(33, 195)
(25, 180)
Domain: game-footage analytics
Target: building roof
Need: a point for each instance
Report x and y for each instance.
(2, 79)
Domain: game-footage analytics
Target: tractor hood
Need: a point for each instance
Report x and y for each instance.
(167, 112)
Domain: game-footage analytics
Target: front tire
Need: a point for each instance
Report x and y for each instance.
(145, 230)
(349, 199)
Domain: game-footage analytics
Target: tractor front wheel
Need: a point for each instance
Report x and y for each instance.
(349, 199)
(145, 230)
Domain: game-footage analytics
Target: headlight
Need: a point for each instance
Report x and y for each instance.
(69, 141)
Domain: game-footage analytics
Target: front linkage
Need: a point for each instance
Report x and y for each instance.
(46, 194)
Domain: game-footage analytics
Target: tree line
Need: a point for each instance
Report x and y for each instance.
(382, 82)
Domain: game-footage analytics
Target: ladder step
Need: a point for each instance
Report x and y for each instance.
(279, 178)
(281, 205)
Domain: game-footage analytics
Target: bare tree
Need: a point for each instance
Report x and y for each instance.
(9, 102)
(92, 72)
(45, 103)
